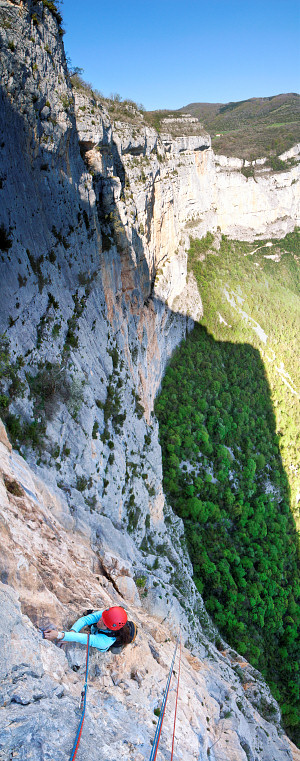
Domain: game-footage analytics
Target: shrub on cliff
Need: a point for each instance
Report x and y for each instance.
(52, 7)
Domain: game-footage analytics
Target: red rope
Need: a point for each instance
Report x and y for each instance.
(78, 741)
(176, 702)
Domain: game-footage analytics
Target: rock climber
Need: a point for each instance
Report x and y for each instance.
(108, 628)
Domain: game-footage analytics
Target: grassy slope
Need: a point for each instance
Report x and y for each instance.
(251, 128)
(270, 293)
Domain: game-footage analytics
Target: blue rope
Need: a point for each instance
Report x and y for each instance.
(162, 710)
(82, 703)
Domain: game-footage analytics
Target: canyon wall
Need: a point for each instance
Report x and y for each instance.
(96, 217)
(174, 188)
(262, 206)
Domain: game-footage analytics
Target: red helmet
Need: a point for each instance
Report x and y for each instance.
(115, 617)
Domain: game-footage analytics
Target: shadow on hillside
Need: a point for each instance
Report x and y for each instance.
(224, 476)
(230, 378)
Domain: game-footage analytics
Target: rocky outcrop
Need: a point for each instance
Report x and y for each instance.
(172, 187)
(161, 187)
(264, 205)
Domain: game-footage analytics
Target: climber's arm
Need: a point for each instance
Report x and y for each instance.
(91, 618)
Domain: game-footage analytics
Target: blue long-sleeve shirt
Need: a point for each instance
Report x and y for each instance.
(97, 638)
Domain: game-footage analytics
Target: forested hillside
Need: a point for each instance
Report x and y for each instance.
(251, 128)
(251, 293)
(228, 430)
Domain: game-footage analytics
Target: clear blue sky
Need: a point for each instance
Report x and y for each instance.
(166, 53)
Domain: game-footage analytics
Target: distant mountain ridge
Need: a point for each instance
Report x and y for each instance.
(251, 128)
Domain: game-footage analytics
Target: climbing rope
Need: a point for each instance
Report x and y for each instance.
(154, 749)
(177, 691)
(82, 703)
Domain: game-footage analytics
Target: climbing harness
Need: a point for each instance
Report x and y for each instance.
(82, 704)
(177, 691)
(156, 740)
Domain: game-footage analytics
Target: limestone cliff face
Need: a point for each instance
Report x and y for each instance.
(171, 188)
(159, 187)
(266, 205)
(69, 297)
(95, 217)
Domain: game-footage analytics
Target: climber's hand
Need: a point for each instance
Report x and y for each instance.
(50, 634)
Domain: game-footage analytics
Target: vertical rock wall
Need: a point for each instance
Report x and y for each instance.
(78, 284)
